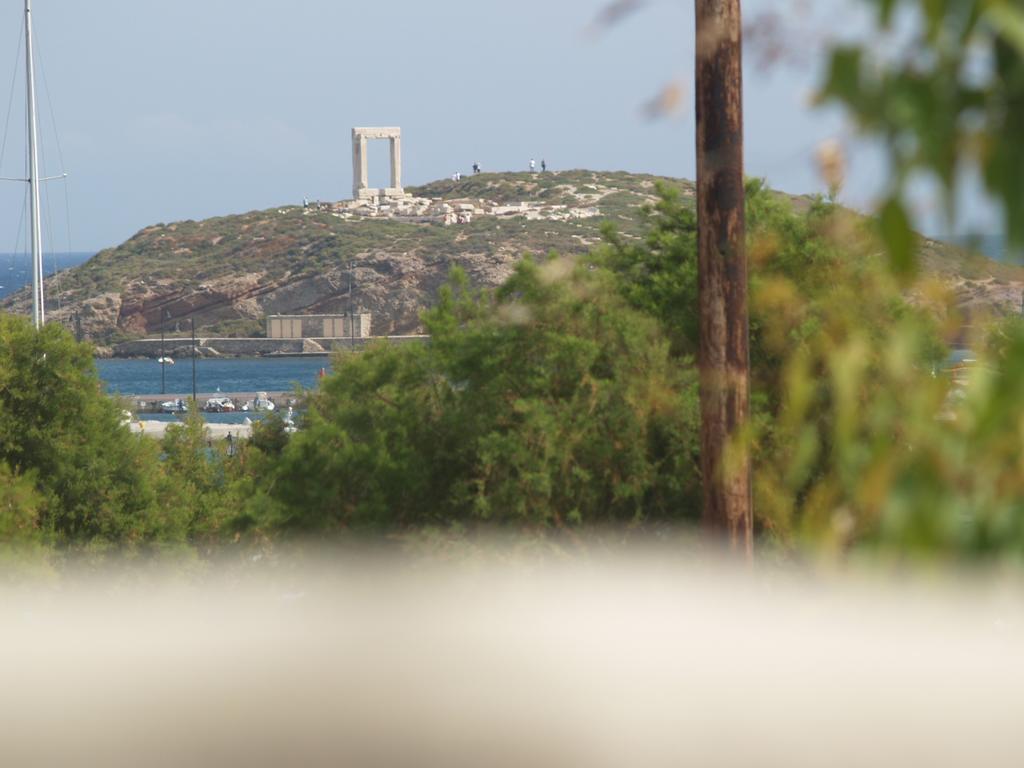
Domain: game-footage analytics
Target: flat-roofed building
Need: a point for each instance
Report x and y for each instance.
(354, 326)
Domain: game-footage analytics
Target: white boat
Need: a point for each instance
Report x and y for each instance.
(220, 405)
(174, 406)
(261, 403)
(165, 361)
(289, 421)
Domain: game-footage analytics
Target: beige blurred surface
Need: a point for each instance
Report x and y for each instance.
(623, 662)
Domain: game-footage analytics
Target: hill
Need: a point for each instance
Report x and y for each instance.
(231, 271)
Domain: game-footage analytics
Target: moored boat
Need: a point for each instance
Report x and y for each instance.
(220, 405)
(262, 403)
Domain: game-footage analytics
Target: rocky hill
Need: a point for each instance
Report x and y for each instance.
(230, 272)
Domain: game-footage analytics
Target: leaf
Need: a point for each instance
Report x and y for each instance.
(843, 81)
(885, 9)
(1008, 22)
(935, 13)
(899, 238)
(614, 12)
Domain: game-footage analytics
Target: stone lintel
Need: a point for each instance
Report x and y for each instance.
(377, 133)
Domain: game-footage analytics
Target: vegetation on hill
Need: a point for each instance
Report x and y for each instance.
(229, 272)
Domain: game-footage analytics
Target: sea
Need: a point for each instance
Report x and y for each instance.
(265, 374)
(142, 377)
(270, 374)
(16, 268)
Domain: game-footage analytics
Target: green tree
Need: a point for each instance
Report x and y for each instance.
(96, 482)
(193, 475)
(543, 406)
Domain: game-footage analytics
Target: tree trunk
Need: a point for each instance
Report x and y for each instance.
(724, 325)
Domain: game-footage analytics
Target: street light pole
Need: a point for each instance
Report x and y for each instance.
(351, 317)
(194, 394)
(163, 362)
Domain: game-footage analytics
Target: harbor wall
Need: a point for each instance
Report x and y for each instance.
(248, 347)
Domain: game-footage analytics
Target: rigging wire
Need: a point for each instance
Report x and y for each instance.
(21, 227)
(63, 170)
(53, 114)
(3, 142)
(48, 219)
(54, 263)
(10, 101)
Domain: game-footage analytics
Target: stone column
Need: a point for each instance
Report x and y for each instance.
(396, 162)
(360, 174)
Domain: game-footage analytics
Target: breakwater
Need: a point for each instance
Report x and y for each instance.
(156, 403)
(181, 348)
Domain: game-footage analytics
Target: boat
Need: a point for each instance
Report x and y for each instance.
(219, 404)
(261, 403)
(174, 406)
(165, 361)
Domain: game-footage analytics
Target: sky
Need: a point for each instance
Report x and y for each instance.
(163, 111)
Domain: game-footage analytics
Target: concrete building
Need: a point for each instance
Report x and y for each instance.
(319, 326)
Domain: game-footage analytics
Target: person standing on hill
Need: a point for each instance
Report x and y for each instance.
(533, 165)
(543, 165)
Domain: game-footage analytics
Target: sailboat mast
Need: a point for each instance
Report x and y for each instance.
(38, 306)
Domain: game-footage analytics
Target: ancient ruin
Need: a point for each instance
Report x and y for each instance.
(393, 203)
(360, 173)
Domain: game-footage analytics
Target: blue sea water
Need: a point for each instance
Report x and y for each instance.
(270, 374)
(16, 268)
(992, 246)
(142, 378)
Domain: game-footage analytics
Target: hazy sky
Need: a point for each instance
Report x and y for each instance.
(196, 108)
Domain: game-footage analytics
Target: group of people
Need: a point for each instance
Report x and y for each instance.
(477, 168)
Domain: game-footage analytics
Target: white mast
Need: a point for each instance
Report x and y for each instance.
(38, 307)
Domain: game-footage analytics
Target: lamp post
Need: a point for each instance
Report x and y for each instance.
(351, 317)
(194, 395)
(163, 355)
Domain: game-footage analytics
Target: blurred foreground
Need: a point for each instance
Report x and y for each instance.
(626, 660)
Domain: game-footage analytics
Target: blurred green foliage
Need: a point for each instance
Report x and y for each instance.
(942, 83)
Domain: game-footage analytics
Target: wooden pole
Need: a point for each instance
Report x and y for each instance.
(724, 357)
